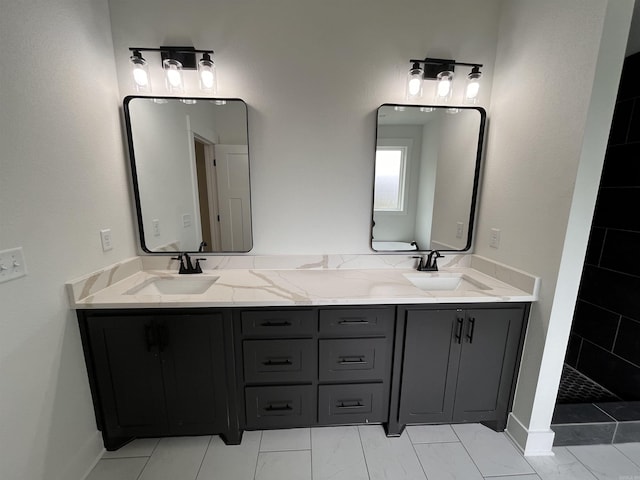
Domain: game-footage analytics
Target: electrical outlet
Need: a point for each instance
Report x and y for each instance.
(186, 220)
(156, 227)
(459, 229)
(494, 239)
(105, 237)
(12, 264)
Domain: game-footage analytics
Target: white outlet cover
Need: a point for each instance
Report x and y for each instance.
(186, 220)
(105, 238)
(12, 264)
(494, 239)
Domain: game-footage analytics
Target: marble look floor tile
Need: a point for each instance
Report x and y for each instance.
(631, 451)
(491, 451)
(117, 469)
(606, 462)
(446, 461)
(431, 434)
(176, 458)
(292, 465)
(142, 447)
(231, 462)
(532, 476)
(289, 439)
(389, 458)
(561, 466)
(337, 454)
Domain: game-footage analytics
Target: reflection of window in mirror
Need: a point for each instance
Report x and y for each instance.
(390, 178)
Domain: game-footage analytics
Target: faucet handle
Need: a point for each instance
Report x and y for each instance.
(420, 266)
(198, 268)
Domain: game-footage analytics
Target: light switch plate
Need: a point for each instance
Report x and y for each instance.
(459, 229)
(12, 264)
(494, 239)
(186, 220)
(156, 227)
(105, 237)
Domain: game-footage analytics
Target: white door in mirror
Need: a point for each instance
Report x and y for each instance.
(12, 264)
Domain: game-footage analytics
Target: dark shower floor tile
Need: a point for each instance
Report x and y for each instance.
(621, 411)
(577, 388)
(579, 413)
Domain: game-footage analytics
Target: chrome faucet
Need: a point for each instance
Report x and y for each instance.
(186, 267)
(431, 265)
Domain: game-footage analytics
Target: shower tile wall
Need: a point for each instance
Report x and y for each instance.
(605, 338)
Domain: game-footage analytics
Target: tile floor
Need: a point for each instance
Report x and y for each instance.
(442, 452)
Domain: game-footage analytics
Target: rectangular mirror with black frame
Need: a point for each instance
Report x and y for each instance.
(427, 168)
(190, 170)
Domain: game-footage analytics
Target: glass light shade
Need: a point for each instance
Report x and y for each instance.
(444, 87)
(473, 87)
(140, 72)
(173, 75)
(207, 74)
(414, 82)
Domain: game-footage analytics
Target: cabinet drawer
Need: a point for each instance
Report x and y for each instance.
(357, 322)
(280, 406)
(276, 361)
(353, 359)
(278, 323)
(339, 404)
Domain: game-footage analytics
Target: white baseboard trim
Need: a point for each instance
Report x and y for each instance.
(532, 443)
(93, 448)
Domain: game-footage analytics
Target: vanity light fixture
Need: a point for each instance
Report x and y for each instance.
(442, 70)
(175, 60)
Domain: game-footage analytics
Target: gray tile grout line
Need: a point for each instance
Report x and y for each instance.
(149, 459)
(627, 456)
(466, 450)
(203, 457)
(415, 452)
(364, 455)
(255, 470)
(311, 452)
(578, 460)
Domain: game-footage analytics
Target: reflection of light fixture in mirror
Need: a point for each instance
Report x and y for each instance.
(220, 102)
(159, 101)
(207, 74)
(140, 71)
(442, 70)
(473, 86)
(399, 108)
(427, 109)
(173, 75)
(444, 88)
(189, 101)
(452, 110)
(414, 82)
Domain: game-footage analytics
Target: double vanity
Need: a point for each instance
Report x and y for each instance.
(279, 342)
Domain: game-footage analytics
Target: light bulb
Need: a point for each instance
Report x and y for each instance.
(140, 71)
(207, 74)
(173, 75)
(473, 86)
(414, 82)
(445, 86)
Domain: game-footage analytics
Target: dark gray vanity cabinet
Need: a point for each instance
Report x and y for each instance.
(456, 365)
(156, 373)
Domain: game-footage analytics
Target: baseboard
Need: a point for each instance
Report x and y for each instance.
(531, 443)
(78, 467)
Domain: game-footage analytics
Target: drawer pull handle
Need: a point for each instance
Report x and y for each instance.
(459, 333)
(352, 361)
(282, 323)
(353, 321)
(472, 327)
(275, 408)
(345, 406)
(272, 363)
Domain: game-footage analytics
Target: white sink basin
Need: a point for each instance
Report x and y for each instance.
(444, 281)
(173, 286)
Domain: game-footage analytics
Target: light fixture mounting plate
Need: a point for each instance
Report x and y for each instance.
(185, 55)
(433, 66)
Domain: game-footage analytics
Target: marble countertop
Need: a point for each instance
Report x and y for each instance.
(485, 281)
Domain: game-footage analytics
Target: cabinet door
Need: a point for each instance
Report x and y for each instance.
(430, 364)
(128, 375)
(489, 354)
(192, 353)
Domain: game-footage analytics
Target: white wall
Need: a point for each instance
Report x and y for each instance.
(547, 56)
(313, 74)
(64, 177)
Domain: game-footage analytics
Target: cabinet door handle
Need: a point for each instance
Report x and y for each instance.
(273, 363)
(353, 321)
(280, 323)
(359, 360)
(350, 405)
(472, 327)
(150, 336)
(278, 408)
(459, 331)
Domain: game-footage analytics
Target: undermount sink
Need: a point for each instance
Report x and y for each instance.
(173, 286)
(444, 281)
